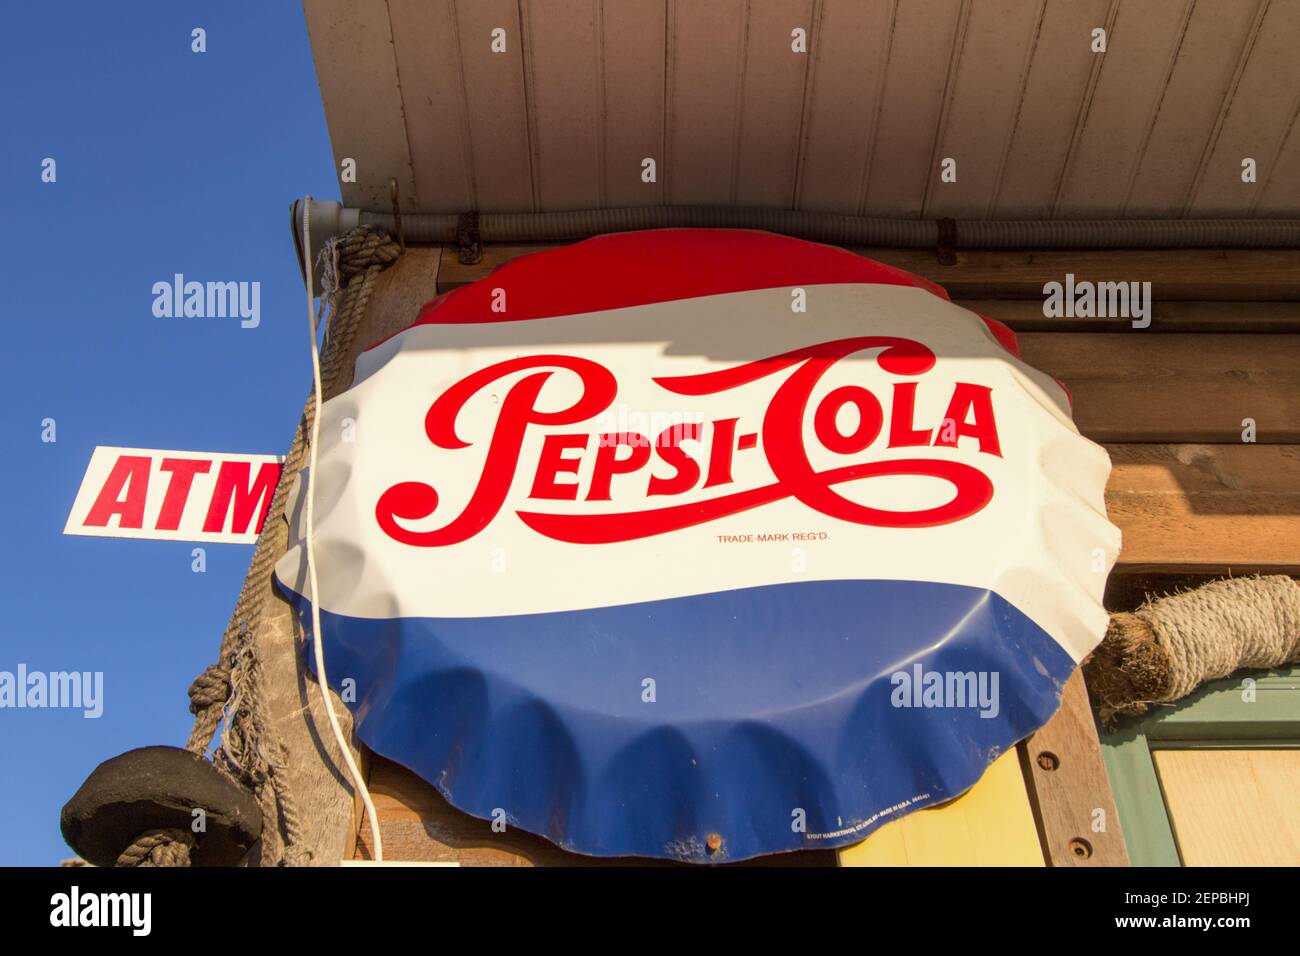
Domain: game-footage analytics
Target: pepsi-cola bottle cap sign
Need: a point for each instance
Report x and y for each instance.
(688, 532)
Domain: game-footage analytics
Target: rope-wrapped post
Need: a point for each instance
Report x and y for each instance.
(1171, 645)
(250, 750)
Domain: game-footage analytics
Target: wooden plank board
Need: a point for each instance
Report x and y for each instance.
(706, 47)
(1134, 70)
(1218, 35)
(426, 44)
(357, 71)
(991, 824)
(990, 73)
(1207, 508)
(916, 84)
(1059, 85)
(1193, 513)
(1255, 124)
(1282, 190)
(1232, 807)
(496, 105)
(1232, 275)
(1026, 315)
(849, 51)
(563, 62)
(1260, 275)
(1069, 789)
(1281, 178)
(1175, 387)
(772, 103)
(634, 36)
(417, 824)
(1040, 124)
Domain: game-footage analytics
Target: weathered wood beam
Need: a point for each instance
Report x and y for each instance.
(1026, 315)
(1241, 275)
(1177, 387)
(1206, 508)
(356, 68)
(1194, 513)
(1069, 788)
(1224, 274)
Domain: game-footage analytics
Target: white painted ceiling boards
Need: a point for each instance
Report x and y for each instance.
(1040, 126)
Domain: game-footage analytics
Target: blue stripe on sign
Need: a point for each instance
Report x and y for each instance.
(771, 705)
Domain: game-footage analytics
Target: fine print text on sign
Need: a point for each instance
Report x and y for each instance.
(174, 495)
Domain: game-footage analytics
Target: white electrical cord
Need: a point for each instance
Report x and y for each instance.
(318, 649)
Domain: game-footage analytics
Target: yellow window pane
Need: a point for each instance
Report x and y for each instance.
(1233, 807)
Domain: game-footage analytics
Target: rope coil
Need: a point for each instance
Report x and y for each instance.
(168, 847)
(1170, 646)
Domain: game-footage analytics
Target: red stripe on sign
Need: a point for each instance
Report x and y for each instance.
(627, 269)
(1003, 333)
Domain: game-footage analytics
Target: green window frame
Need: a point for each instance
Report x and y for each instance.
(1216, 716)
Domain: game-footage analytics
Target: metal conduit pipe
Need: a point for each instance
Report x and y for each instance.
(330, 218)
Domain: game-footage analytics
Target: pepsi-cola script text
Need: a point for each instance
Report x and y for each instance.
(628, 458)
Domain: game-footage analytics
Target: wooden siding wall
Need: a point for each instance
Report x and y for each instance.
(1040, 126)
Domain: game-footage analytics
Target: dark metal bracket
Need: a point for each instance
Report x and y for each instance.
(468, 240)
(946, 250)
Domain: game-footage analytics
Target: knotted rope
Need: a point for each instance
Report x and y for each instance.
(207, 695)
(250, 750)
(168, 847)
(1170, 646)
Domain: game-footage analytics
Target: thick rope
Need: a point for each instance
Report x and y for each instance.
(168, 847)
(250, 750)
(1170, 646)
(207, 695)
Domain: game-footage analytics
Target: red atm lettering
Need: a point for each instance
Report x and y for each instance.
(124, 494)
(183, 471)
(233, 483)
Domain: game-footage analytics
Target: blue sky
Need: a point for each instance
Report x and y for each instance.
(168, 161)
